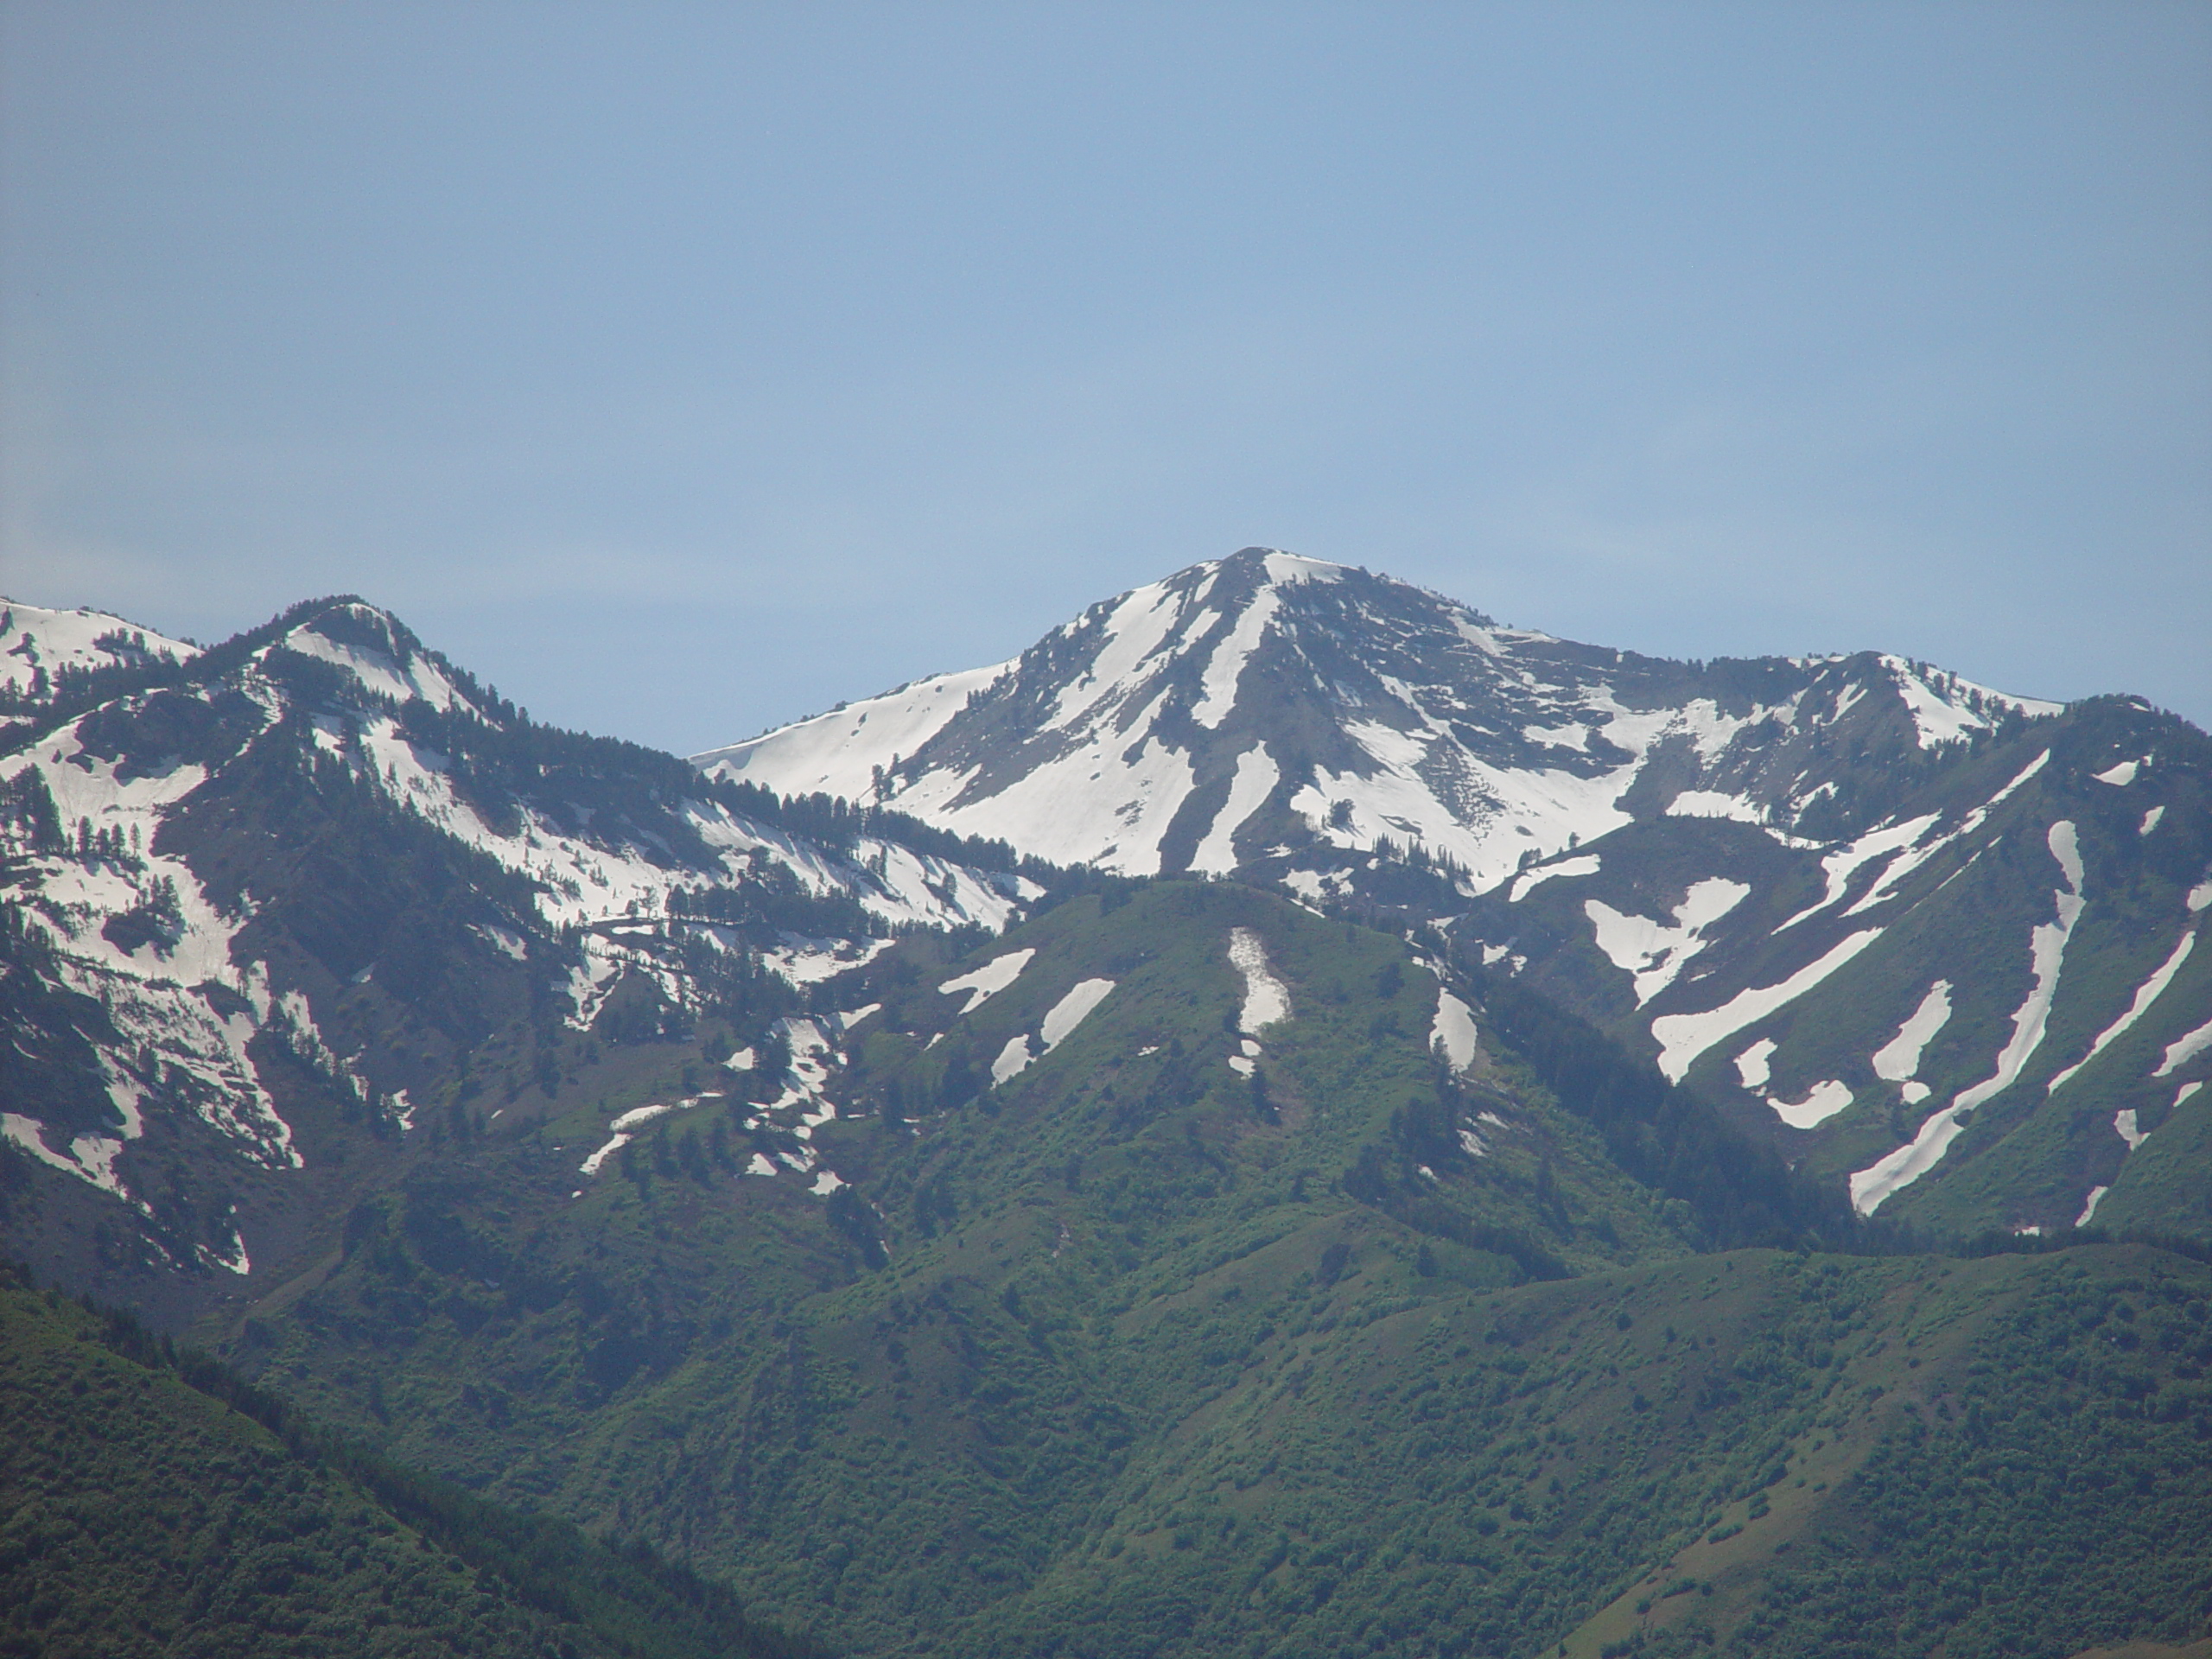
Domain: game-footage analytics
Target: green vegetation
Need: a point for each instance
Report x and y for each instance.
(1134, 1354)
(156, 1504)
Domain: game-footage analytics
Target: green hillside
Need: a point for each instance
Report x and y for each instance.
(143, 1514)
(1133, 1353)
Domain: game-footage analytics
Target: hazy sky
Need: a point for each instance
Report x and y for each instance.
(683, 369)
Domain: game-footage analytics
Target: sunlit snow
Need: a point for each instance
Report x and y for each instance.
(1898, 1059)
(988, 980)
(1683, 1037)
(1529, 880)
(1012, 1060)
(2184, 1049)
(1267, 999)
(1654, 952)
(1821, 1103)
(1453, 1031)
(1256, 777)
(1755, 1066)
(1073, 1010)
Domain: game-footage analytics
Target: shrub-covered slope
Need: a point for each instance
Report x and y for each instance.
(142, 1514)
(1375, 1344)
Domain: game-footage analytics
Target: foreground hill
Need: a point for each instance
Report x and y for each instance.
(1936, 941)
(146, 1514)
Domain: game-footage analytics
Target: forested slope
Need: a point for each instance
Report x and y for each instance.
(141, 1512)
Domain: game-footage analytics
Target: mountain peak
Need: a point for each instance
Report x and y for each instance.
(1270, 706)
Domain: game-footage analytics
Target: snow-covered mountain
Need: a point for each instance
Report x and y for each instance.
(1905, 925)
(1267, 707)
(317, 875)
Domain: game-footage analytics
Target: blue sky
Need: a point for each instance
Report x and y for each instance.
(686, 369)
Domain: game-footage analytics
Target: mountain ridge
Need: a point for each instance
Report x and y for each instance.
(955, 1251)
(1681, 851)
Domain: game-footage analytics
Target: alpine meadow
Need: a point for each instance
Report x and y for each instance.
(1286, 1119)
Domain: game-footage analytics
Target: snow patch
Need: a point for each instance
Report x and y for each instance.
(1012, 1060)
(1529, 880)
(1713, 804)
(1073, 1010)
(1653, 952)
(1453, 1031)
(1843, 863)
(91, 1157)
(1226, 666)
(1267, 999)
(1822, 1102)
(988, 980)
(2089, 1210)
(1898, 1059)
(2184, 1049)
(1755, 1066)
(1256, 779)
(2121, 775)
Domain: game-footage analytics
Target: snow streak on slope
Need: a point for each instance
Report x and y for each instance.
(1226, 667)
(1874, 1185)
(1683, 1037)
(2146, 994)
(1256, 777)
(1453, 1033)
(1845, 861)
(2184, 1049)
(1899, 1060)
(988, 980)
(1267, 999)
(1073, 1010)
